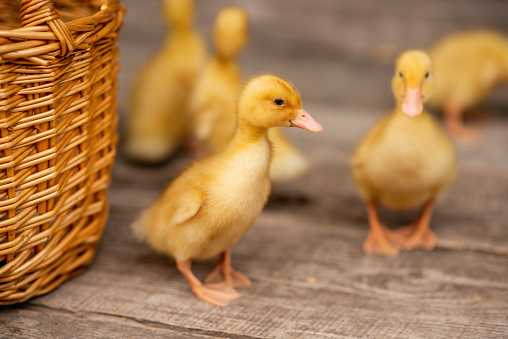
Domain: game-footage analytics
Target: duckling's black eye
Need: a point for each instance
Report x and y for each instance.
(278, 102)
(427, 75)
(400, 75)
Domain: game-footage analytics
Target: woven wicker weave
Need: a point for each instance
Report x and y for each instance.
(58, 65)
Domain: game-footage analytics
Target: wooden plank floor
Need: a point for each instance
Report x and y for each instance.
(310, 277)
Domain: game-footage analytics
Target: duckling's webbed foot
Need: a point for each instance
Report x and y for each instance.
(224, 273)
(424, 239)
(381, 240)
(421, 234)
(215, 295)
(382, 243)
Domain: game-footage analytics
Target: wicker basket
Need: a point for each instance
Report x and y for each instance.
(58, 65)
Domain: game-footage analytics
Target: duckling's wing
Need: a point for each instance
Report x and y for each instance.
(186, 206)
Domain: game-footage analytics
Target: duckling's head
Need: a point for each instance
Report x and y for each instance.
(231, 32)
(178, 13)
(412, 82)
(270, 101)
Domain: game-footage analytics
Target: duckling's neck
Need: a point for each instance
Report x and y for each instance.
(178, 32)
(225, 60)
(247, 134)
(251, 148)
(182, 41)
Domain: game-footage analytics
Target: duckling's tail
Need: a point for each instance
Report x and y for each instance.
(139, 227)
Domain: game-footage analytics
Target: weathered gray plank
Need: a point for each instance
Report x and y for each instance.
(31, 321)
(309, 279)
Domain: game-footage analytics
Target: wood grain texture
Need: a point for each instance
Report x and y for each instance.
(30, 321)
(310, 277)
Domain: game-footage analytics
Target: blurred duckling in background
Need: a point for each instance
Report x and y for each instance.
(467, 66)
(405, 161)
(288, 162)
(158, 118)
(208, 208)
(213, 99)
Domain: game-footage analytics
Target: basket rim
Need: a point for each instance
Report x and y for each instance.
(42, 31)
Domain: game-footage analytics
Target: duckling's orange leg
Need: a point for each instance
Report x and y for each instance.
(232, 278)
(422, 236)
(380, 240)
(215, 297)
(453, 121)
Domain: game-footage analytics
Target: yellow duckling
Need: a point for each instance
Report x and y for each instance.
(213, 99)
(467, 66)
(405, 161)
(158, 118)
(214, 202)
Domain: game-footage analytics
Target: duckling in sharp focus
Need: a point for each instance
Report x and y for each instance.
(467, 66)
(158, 119)
(213, 99)
(214, 202)
(405, 161)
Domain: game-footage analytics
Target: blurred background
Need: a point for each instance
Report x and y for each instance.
(336, 52)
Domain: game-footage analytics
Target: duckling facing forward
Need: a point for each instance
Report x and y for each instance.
(214, 202)
(467, 66)
(405, 161)
(158, 119)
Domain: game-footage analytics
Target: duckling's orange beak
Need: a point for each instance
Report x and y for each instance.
(305, 121)
(412, 104)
